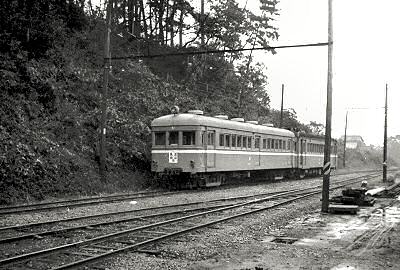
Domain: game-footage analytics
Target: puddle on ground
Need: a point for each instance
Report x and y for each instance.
(339, 230)
(344, 267)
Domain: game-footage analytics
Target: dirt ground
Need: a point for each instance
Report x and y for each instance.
(296, 236)
(368, 240)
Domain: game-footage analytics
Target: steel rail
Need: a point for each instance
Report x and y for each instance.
(75, 264)
(89, 225)
(24, 208)
(120, 233)
(119, 212)
(131, 211)
(128, 211)
(75, 203)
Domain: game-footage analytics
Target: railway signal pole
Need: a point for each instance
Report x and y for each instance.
(327, 151)
(384, 177)
(103, 106)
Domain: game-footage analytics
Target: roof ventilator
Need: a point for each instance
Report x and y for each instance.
(252, 122)
(268, 125)
(198, 112)
(238, 119)
(220, 116)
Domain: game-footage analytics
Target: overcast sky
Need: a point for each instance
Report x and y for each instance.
(366, 57)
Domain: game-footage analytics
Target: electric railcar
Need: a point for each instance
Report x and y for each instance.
(192, 150)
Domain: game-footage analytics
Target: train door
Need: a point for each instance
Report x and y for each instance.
(257, 144)
(210, 148)
(292, 157)
(302, 150)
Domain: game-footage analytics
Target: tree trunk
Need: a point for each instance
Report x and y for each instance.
(181, 28)
(172, 23)
(136, 28)
(143, 15)
(130, 16)
(160, 21)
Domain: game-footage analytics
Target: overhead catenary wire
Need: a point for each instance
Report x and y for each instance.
(200, 52)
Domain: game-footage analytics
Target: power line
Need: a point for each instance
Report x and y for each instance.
(268, 48)
(365, 108)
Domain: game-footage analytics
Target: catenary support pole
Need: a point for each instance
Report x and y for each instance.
(384, 177)
(327, 151)
(344, 143)
(281, 120)
(202, 39)
(103, 106)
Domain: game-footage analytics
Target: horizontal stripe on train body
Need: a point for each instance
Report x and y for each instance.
(233, 152)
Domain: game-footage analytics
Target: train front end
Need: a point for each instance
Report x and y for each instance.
(177, 151)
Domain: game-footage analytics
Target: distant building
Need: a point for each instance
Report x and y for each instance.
(354, 141)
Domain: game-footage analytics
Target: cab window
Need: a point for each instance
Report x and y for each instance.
(173, 137)
(159, 138)
(188, 138)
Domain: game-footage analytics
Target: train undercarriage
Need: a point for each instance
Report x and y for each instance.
(176, 179)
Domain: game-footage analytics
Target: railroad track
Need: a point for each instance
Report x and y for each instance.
(24, 208)
(139, 231)
(71, 203)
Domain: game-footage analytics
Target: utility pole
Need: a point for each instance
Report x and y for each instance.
(385, 141)
(202, 24)
(281, 123)
(344, 146)
(103, 106)
(327, 151)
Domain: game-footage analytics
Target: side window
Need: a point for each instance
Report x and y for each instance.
(257, 143)
(227, 140)
(188, 138)
(249, 142)
(159, 138)
(233, 140)
(221, 139)
(244, 141)
(173, 137)
(210, 138)
(264, 143)
(276, 144)
(272, 143)
(239, 141)
(268, 143)
(284, 145)
(280, 144)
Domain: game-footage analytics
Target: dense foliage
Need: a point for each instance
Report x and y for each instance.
(51, 59)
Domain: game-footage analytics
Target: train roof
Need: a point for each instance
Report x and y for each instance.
(188, 119)
(314, 136)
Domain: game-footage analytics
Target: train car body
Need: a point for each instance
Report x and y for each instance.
(310, 154)
(196, 150)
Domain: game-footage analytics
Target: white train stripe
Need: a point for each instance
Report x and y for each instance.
(232, 152)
